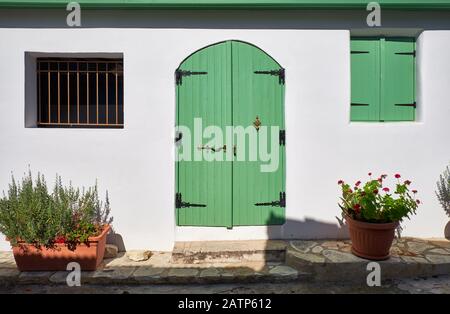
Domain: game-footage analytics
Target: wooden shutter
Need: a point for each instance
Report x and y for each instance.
(398, 80)
(365, 80)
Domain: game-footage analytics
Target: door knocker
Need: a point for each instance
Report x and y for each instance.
(257, 123)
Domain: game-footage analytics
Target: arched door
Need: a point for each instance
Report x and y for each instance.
(238, 178)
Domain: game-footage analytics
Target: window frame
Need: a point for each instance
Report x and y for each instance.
(116, 72)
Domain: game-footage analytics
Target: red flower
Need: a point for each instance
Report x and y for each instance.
(414, 191)
(357, 208)
(340, 181)
(384, 176)
(350, 191)
(380, 180)
(375, 191)
(407, 182)
(370, 173)
(60, 239)
(397, 176)
(358, 183)
(363, 193)
(418, 201)
(386, 189)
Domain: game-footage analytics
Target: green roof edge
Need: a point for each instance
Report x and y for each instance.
(229, 4)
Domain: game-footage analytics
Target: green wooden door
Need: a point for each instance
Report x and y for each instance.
(206, 96)
(219, 85)
(256, 93)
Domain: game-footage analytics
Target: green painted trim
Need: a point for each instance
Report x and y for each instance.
(229, 4)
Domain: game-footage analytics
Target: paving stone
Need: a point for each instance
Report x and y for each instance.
(438, 251)
(111, 251)
(303, 246)
(139, 256)
(60, 277)
(35, 277)
(317, 249)
(340, 257)
(209, 272)
(419, 247)
(414, 259)
(438, 259)
(8, 274)
(109, 276)
(284, 271)
(183, 272)
(330, 245)
(309, 258)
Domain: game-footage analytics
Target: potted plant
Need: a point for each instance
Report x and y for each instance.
(49, 230)
(373, 214)
(443, 194)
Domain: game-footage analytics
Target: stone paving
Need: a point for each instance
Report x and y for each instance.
(333, 260)
(305, 261)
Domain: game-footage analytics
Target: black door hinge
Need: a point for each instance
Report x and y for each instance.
(280, 73)
(180, 204)
(283, 137)
(180, 73)
(279, 203)
(413, 53)
(407, 105)
(357, 52)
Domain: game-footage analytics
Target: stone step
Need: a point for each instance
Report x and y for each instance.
(333, 260)
(229, 251)
(160, 275)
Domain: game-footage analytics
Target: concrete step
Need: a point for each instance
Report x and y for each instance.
(333, 260)
(228, 251)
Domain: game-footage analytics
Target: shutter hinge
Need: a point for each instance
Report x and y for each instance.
(180, 204)
(283, 137)
(279, 203)
(413, 53)
(180, 73)
(280, 73)
(407, 105)
(355, 52)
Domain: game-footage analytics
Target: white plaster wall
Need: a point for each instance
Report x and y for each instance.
(136, 163)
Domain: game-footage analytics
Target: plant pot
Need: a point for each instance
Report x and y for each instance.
(89, 256)
(371, 240)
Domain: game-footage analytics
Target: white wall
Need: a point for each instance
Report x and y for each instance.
(136, 163)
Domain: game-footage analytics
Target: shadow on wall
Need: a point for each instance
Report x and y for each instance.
(308, 229)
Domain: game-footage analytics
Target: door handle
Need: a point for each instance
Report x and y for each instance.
(213, 149)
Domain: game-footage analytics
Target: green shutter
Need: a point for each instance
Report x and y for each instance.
(398, 80)
(365, 80)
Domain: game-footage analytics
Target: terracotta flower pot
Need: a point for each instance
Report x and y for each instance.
(89, 256)
(371, 240)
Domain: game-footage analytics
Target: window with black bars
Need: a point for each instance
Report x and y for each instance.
(80, 92)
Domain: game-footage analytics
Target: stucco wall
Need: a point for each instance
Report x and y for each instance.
(136, 164)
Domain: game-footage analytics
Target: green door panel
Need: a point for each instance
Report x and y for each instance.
(255, 95)
(207, 97)
(398, 80)
(230, 94)
(365, 80)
